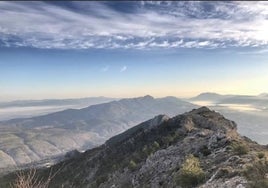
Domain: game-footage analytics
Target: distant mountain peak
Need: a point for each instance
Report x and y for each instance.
(209, 94)
(263, 95)
(147, 97)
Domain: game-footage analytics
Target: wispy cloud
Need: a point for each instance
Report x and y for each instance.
(105, 69)
(123, 69)
(84, 25)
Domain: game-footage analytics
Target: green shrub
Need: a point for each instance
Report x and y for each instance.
(260, 155)
(148, 150)
(191, 174)
(256, 174)
(259, 184)
(132, 165)
(145, 149)
(101, 180)
(156, 146)
(170, 138)
(226, 172)
(205, 151)
(240, 148)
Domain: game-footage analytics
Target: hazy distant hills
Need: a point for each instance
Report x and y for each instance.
(30, 108)
(209, 96)
(259, 101)
(25, 140)
(31, 139)
(99, 117)
(56, 102)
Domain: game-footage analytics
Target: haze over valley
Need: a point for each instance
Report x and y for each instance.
(29, 108)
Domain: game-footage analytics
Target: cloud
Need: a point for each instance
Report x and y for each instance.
(123, 69)
(150, 25)
(258, 51)
(105, 69)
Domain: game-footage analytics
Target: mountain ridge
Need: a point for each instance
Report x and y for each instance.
(30, 139)
(157, 156)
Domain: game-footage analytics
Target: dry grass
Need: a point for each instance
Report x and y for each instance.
(30, 179)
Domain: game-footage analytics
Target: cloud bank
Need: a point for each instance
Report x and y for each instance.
(133, 25)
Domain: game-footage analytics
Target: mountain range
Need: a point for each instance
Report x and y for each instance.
(56, 102)
(259, 101)
(44, 140)
(200, 148)
(30, 108)
(27, 140)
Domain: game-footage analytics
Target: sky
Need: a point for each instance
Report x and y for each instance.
(126, 49)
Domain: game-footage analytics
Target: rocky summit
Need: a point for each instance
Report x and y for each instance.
(199, 148)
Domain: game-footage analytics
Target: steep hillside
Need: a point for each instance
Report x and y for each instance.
(32, 139)
(199, 148)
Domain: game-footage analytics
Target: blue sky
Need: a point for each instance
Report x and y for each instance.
(125, 49)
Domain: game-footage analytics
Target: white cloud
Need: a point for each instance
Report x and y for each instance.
(123, 69)
(152, 25)
(105, 69)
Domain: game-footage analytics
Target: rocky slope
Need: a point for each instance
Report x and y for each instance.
(26, 140)
(199, 148)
